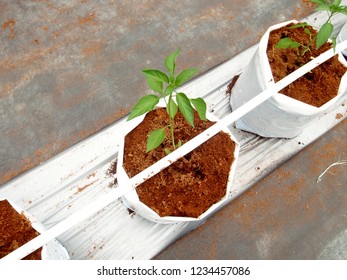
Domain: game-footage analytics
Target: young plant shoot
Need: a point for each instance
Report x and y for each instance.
(289, 43)
(333, 7)
(165, 86)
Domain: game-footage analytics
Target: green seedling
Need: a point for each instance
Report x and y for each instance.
(165, 86)
(332, 7)
(289, 43)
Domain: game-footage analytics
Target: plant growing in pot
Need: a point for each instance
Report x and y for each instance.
(284, 48)
(195, 185)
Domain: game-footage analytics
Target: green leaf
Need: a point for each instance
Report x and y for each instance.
(167, 151)
(286, 43)
(295, 45)
(322, 7)
(307, 31)
(171, 108)
(200, 107)
(155, 85)
(169, 90)
(323, 34)
(337, 2)
(185, 107)
(185, 76)
(179, 143)
(144, 105)
(319, 2)
(334, 43)
(155, 139)
(342, 10)
(170, 63)
(298, 25)
(156, 75)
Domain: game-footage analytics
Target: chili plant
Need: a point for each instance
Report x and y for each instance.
(333, 7)
(165, 85)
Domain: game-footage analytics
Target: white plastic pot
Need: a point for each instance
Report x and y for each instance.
(342, 36)
(279, 116)
(132, 201)
(52, 250)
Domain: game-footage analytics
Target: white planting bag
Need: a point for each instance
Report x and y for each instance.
(342, 36)
(131, 199)
(279, 116)
(52, 250)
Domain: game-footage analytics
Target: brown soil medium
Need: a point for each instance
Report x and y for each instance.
(316, 87)
(15, 231)
(188, 187)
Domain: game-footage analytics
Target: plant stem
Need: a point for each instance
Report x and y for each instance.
(171, 123)
(172, 128)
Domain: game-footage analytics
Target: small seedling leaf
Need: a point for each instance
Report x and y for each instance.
(286, 43)
(156, 75)
(185, 76)
(171, 108)
(200, 107)
(155, 139)
(185, 107)
(298, 25)
(323, 34)
(144, 105)
(167, 151)
(155, 85)
(295, 45)
(307, 31)
(170, 63)
(179, 143)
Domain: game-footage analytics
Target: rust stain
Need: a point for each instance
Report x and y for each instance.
(306, 8)
(327, 153)
(10, 25)
(80, 189)
(308, 4)
(72, 83)
(103, 123)
(208, 14)
(92, 49)
(19, 62)
(338, 116)
(91, 175)
(88, 19)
